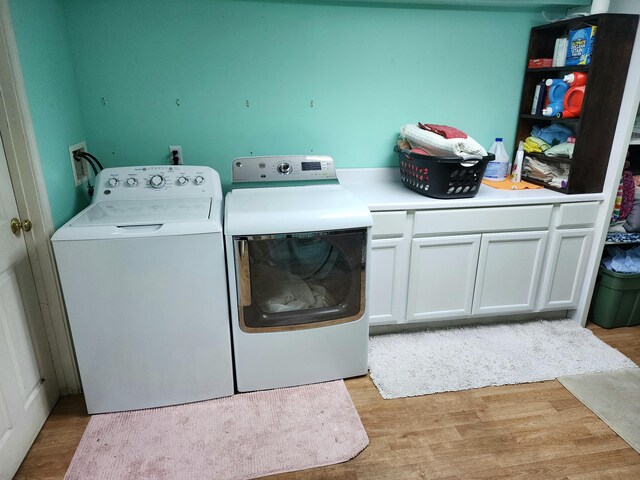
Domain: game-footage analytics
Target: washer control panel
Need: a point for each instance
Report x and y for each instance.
(283, 168)
(123, 183)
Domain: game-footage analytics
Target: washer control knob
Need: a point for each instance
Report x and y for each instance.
(132, 182)
(182, 181)
(157, 181)
(113, 182)
(199, 180)
(285, 168)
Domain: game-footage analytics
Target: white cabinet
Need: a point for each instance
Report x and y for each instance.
(441, 277)
(389, 264)
(566, 263)
(437, 265)
(508, 272)
(567, 256)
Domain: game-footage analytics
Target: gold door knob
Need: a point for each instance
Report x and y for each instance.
(16, 225)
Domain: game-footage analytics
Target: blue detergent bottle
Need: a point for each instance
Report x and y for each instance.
(556, 89)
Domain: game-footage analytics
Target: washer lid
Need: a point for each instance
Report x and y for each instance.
(144, 212)
(313, 208)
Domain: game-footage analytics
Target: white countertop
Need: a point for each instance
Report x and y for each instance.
(381, 189)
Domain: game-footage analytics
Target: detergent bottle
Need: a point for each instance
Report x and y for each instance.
(497, 169)
(572, 103)
(556, 88)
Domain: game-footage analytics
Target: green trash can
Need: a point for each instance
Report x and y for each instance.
(616, 299)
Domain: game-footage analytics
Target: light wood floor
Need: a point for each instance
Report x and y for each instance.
(536, 430)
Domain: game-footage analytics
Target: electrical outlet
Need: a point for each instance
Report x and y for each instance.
(80, 168)
(178, 155)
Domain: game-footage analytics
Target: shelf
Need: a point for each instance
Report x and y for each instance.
(569, 121)
(607, 74)
(568, 68)
(543, 184)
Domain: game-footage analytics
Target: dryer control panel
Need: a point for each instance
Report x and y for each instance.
(283, 168)
(164, 181)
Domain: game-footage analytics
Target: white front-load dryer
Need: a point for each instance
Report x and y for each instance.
(297, 265)
(142, 271)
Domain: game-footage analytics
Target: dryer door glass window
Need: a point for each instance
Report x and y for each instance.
(303, 280)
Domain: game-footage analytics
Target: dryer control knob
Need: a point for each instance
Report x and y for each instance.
(132, 182)
(157, 181)
(182, 181)
(285, 168)
(199, 180)
(113, 182)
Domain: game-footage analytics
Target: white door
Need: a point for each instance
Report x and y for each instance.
(28, 386)
(442, 276)
(389, 275)
(564, 273)
(508, 272)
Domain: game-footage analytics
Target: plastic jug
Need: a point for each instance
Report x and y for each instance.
(497, 169)
(573, 98)
(555, 95)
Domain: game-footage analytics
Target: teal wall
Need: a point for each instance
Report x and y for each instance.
(39, 27)
(367, 68)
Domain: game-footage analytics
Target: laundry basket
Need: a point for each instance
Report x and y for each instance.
(442, 177)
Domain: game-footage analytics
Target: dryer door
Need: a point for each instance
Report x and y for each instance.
(303, 280)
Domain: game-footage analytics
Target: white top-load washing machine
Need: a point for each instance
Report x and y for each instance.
(297, 266)
(143, 276)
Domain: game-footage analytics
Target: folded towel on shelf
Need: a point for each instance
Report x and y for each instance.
(535, 145)
(437, 145)
(552, 134)
(561, 150)
(555, 175)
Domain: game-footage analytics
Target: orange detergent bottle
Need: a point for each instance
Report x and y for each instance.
(575, 95)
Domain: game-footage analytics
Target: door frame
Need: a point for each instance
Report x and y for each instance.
(25, 169)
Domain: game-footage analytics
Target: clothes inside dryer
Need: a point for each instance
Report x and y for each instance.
(301, 279)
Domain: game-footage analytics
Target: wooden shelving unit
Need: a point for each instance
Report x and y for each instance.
(607, 73)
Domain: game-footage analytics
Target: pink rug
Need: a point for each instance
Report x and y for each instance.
(240, 437)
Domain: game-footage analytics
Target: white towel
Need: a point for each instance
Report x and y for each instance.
(553, 175)
(438, 145)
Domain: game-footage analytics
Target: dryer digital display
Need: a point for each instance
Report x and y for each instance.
(311, 166)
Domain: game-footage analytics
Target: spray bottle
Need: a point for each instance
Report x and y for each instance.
(516, 173)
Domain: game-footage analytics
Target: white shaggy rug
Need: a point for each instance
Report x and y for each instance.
(451, 359)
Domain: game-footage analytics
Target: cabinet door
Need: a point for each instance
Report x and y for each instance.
(441, 277)
(508, 272)
(389, 265)
(564, 270)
